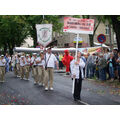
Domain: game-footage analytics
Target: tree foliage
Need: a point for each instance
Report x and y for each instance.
(13, 31)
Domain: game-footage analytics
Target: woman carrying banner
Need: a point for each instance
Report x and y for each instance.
(77, 74)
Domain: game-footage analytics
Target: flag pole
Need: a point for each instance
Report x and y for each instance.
(75, 61)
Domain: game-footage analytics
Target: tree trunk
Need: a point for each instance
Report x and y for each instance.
(34, 36)
(5, 48)
(91, 40)
(91, 37)
(116, 27)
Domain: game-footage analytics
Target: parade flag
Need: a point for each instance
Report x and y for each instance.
(44, 34)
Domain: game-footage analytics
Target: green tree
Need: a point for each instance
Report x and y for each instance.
(13, 31)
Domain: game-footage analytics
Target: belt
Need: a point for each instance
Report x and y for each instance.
(49, 67)
(40, 66)
(2, 66)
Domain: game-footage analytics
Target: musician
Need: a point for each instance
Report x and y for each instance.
(34, 68)
(41, 68)
(2, 68)
(77, 74)
(18, 64)
(22, 67)
(27, 67)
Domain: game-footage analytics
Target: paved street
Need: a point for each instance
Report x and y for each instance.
(19, 92)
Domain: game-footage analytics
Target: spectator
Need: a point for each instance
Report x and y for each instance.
(102, 63)
(111, 65)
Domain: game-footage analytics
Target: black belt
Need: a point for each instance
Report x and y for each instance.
(49, 67)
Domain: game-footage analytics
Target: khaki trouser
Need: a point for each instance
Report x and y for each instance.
(22, 71)
(17, 69)
(49, 76)
(41, 74)
(35, 72)
(27, 71)
(32, 72)
(2, 73)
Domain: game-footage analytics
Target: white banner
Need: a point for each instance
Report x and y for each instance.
(44, 34)
(77, 25)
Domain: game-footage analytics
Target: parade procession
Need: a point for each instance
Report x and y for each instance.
(70, 69)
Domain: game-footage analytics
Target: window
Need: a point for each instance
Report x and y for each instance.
(107, 30)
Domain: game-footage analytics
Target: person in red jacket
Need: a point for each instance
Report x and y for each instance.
(66, 61)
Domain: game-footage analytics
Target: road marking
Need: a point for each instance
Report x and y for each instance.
(84, 102)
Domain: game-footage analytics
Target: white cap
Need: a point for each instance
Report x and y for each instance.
(100, 54)
(22, 56)
(2, 55)
(34, 53)
(27, 55)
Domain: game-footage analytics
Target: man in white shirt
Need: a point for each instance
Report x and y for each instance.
(77, 74)
(2, 68)
(41, 69)
(50, 61)
(27, 67)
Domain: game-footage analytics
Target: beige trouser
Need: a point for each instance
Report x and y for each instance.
(35, 72)
(27, 71)
(2, 73)
(41, 74)
(49, 76)
(17, 69)
(22, 71)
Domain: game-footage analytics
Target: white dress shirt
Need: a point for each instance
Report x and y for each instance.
(75, 68)
(2, 62)
(42, 63)
(18, 60)
(33, 60)
(51, 61)
(22, 63)
(27, 61)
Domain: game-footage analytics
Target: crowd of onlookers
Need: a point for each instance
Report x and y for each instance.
(103, 66)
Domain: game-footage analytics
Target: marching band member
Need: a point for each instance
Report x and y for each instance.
(34, 68)
(2, 68)
(18, 64)
(41, 69)
(22, 67)
(50, 61)
(77, 74)
(14, 62)
(27, 67)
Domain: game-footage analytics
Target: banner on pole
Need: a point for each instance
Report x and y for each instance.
(90, 50)
(76, 25)
(44, 34)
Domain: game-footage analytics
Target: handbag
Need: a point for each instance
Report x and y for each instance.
(47, 62)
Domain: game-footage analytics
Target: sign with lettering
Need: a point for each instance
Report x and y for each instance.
(77, 25)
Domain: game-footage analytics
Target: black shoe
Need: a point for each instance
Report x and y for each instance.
(75, 99)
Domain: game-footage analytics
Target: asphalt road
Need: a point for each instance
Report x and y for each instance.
(20, 92)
